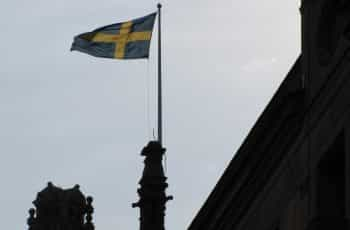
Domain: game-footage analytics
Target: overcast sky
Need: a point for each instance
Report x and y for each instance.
(72, 119)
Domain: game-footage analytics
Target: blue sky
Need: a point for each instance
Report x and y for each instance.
(72, 119)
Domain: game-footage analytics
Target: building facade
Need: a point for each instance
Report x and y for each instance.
(293, 170)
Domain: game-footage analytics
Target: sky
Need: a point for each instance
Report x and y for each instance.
(70, 118)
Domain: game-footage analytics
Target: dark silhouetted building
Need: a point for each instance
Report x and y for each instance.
(293, 170)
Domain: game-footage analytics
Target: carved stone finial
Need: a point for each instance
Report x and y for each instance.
(89, 211)
(152, 189)
(31, 219)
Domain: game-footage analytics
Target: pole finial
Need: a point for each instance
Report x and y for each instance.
(159, 5)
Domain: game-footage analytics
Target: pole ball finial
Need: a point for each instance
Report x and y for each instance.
(159, 5)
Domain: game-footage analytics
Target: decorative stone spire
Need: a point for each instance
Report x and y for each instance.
(152, 191)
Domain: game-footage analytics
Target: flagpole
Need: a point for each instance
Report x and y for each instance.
(160, 126)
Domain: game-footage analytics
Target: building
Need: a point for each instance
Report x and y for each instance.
(293, 170)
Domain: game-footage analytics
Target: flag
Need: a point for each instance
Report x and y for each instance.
(126, 40)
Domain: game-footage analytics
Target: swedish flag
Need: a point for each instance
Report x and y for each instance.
(126, 40)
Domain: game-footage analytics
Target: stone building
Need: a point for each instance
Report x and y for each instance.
(293, 170)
